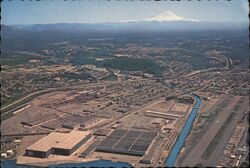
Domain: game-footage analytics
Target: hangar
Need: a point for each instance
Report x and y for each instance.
(58, 143)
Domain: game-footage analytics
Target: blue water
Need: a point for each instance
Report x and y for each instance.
(8, 164)
(98, 163)
(184, 133)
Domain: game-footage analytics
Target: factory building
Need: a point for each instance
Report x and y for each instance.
(185, 100)
(157, 121)
(159, 114)
(58, 144)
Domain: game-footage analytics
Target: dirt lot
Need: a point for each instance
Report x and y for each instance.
(163, 106)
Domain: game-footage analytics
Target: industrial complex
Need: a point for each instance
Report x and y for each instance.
(140, 137)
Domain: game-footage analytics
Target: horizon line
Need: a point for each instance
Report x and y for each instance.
(30, 24)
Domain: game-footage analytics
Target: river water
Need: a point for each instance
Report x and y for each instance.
(98, 163)
(184, 133)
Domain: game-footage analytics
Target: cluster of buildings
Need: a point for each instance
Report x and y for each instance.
(236, 150)
(8, 147)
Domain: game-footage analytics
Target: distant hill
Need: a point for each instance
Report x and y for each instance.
(131, 26)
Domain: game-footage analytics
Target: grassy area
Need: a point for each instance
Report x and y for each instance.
(134, 64)
(209, 150)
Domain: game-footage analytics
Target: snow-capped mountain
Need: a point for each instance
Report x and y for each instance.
(165, 21)
(169, 16)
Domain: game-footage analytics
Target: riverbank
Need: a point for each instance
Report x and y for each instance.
(171, 159)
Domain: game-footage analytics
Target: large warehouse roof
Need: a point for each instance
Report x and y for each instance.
(59, 140)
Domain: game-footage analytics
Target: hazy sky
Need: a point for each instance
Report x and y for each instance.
(84, 11)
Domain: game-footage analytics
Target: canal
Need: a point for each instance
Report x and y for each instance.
(171, 159)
